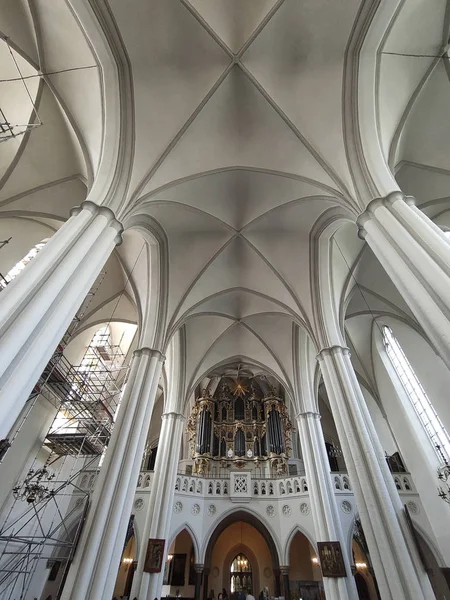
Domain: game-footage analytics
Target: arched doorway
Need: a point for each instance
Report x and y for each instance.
(179, 569)
(241, 546)
(305, 575)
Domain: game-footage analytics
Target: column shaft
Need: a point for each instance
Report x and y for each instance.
(286, 589)
(37, 307)
(415, 254)
(157, 522)
(205, 584)
(397, 566)
(93, 572)
(324, 508)
(198, 581)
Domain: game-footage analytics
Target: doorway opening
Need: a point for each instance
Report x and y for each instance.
(305, 575)
(241, 547)
(179, 570)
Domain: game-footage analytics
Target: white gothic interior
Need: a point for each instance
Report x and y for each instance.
(224, 299)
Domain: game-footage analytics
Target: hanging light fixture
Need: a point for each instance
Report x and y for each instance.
(34, 488)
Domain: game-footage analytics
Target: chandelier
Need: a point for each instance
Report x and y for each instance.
(34, 488)
(443, 474)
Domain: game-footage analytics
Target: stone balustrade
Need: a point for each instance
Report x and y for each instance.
(260, 487)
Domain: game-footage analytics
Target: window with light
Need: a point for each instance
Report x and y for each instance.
(18, 267)
(432, 424)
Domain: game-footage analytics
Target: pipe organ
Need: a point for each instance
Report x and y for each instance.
(240, 426)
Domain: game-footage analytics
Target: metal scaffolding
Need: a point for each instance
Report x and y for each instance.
(45, 518)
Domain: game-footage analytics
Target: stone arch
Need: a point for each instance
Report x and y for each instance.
(250, 518)
(238, 358)
(329, 302)
(152, 308)
(190, 531)
(297, 529)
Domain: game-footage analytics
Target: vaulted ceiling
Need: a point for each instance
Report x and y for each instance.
(238, 149)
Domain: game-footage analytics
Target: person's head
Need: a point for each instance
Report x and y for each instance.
(220, 596)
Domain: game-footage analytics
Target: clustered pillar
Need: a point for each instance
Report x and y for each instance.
(415, 254)
(397, 566)
(36, 309)
(324, 508)
(93, 572)
(147, 586)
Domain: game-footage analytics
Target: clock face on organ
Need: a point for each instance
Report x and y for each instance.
(249, 453)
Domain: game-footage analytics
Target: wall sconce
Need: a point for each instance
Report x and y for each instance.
(360, 565)
(127, 562)
(315, 560)
(169, 556)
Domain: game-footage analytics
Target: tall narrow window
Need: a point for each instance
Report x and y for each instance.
(422, 405)
(15, 270)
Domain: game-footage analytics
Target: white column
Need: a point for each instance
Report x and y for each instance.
(159, 511)
(37, 307)
(327, 523)
(415, 254)
(93, 572)
(399, 574)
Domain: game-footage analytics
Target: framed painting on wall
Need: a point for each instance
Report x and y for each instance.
(154, 556)
(331, 560)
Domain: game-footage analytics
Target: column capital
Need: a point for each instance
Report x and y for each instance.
(332, 350)
(284, 569)
(308, 414)
(199, 567)
(104, 211)
(173, 415)
(376, 203)
(146, 351)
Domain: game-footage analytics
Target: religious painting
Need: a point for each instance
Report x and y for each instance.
(154, 556)
(331, 560)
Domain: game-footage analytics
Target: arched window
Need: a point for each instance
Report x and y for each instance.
(432, 424)
(241, 574)
(18, 267)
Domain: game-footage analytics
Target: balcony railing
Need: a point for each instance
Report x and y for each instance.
(260, 487)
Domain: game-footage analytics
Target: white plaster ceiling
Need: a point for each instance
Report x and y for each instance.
(260, 87)
(413, 87)
(63, 79)
(238, 150)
